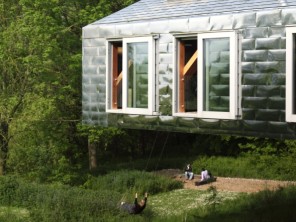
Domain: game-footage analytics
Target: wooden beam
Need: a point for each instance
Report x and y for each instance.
(181, 92)
(191, 66)
(114, 75)
(119, 78)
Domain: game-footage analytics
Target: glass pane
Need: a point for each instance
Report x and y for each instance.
(137, 78)
(216, 74)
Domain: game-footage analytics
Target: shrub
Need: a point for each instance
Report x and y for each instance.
(58, 203)
(125, 181)
(249, 166)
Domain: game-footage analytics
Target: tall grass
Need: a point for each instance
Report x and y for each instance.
(97, 200)
(256, 166)
(57, 203)
(271, 206)
(132, 181)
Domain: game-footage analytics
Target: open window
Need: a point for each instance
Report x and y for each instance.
(206, 77)
(130, 78)
(186, 76)
(290, 74)
(116, 75)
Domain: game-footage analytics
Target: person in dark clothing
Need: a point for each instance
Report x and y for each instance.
(188, 172)
(136, 207)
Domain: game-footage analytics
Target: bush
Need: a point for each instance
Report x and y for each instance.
(58, 203)
(127, 182)
(249, 166)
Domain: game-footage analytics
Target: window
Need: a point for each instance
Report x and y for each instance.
(207, 77)
(130, 79)
(116, 75)
(187, 76)
(217, 79)
(290, 74)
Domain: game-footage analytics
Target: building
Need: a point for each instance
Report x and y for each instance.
(196, 66)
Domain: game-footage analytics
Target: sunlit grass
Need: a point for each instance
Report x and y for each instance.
(14, 214)
(180, 201)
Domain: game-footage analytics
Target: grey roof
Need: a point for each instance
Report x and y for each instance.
(165, 9)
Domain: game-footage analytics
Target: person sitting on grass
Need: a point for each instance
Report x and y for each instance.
(205, 177)
(136, 207)
(188, 172)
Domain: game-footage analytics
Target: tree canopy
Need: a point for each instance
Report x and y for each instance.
(40, 94)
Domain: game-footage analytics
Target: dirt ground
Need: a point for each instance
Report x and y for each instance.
(226, 183)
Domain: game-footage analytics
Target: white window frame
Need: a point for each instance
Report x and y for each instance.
(234, 83)
(176, 77)
(290, 76)
(151, 77)
(233, 77)
(109, 79)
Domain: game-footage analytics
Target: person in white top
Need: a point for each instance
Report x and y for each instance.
(204, 175)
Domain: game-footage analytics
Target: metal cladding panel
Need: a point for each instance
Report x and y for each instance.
(244, 20)
(289, 16)
(262, 65)
(269, 18)
(221, 22)
(198, 24)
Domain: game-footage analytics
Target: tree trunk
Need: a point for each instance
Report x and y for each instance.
(3, 146)
(92, 153)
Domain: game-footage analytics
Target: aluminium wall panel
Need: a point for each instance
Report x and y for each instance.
(262, 70)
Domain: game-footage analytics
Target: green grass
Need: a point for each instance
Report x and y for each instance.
(14, 214)
(129, 182)
(182, 201)
(99, 196)
(259, 167)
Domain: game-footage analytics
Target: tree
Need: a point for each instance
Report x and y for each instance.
(40, 94)
(38, 54)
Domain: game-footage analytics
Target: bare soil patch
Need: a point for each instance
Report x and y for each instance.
(227, 183)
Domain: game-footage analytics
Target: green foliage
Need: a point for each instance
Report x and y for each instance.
(266, 205)
(130, 182)
(98, 202)
(264, 146)
(57, 203)
(250, 166)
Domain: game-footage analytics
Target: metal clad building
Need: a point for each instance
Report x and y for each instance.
(198, 66)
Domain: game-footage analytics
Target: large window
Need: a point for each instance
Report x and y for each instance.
(207, 77)
(290, 74)
(187, 76)
(130, 79)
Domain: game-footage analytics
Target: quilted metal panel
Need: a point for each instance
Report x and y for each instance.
(276, 102)
(251, 33)
(289, 16)
(267, 115)
(255, 55)
(269, 18)
(269, 43)
(254, 102)
(262, 67)
(244, 20)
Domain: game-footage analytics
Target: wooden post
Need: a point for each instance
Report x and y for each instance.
(92, 153)
(3, 146)
(181, 77)
(114, 75)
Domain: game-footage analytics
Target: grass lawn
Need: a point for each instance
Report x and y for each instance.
(181, 201)
(14, 214)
